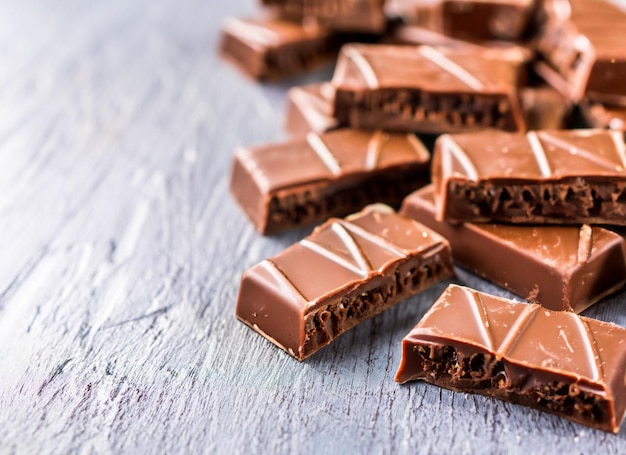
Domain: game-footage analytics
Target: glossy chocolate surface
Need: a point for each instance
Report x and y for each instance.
(555, 361)
(425, 89)
(310, 109)
(306, 180)
(553, 176)
(585, 54)
(345, 272)
(273, 49)
(560, 267)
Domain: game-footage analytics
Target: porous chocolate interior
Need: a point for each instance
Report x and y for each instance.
(338, 316)
(305, 205)
(571, 200)
(410, 106)
(480, 372)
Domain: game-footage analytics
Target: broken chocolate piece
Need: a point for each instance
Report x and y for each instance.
(554, 361)
(272, 49)
(361, 266)
(424, 89)
(560, 267)
(554, 176)
(585, 53)
(306, 180)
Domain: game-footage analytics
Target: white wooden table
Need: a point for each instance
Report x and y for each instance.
(121, 253)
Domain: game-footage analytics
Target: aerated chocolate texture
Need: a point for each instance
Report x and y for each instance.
(555, 361)
(345, 272)
(281, 186)
(343, 15)
(558, 177)
(423, 89)
(560, 267)
(270, 49)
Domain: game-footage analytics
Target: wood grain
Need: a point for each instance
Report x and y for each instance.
(122, 253)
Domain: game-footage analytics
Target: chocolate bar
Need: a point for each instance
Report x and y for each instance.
(559, 177)
(363, 16)
(554, 361)
(306, 180)
(269, 49)
(481, 20)
(424, 89)
(585, 54)
(560, 267)
(310, 109)
(346, 271)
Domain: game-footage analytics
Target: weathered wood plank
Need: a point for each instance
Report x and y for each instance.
(122, 252)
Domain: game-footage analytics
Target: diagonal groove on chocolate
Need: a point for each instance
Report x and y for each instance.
(365, 264)
(560, 177)
(564, 267)
(308, 179)
(427, 90)
(557, 362)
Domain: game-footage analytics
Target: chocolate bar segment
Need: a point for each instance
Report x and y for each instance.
(310, 109)
(363, 16)
(560, 267)
(482, 20)
(306, 180)
(554, 361)
(585, 54)
(424, 89)
(346, 271)
(268, 49)
(558, 177)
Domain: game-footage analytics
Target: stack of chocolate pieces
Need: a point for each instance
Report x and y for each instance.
(518, 191)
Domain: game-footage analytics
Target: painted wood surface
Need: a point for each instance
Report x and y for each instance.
(121, 254)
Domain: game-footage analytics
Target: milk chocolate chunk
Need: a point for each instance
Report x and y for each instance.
(269, 49)
(306, 180)
(310, 109)
(487, 19)
(365, 16)
(553, 176)
(424, 89)
(585, 54)
(559, 267)
(554, 361)
(346, 271)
